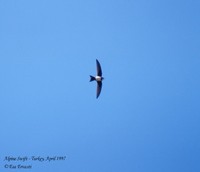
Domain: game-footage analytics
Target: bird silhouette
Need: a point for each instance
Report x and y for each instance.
(98, 78)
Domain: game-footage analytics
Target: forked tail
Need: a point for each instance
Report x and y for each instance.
(92, 78)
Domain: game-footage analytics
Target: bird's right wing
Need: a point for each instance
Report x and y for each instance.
(99, 71)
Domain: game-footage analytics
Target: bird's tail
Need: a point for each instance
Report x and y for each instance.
(92, 78)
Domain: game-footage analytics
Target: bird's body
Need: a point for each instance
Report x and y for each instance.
(98, 78)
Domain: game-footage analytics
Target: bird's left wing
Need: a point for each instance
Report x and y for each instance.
(99, 86)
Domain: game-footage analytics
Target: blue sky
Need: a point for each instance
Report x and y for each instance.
(147, 116)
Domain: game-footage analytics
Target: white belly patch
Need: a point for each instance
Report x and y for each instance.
(98, 78)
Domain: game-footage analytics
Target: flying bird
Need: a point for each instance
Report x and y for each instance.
(98, 78)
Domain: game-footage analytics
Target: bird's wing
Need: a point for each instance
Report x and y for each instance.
(99, 86)
(99, 71)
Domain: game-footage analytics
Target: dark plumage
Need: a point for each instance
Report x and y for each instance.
(98, 78)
